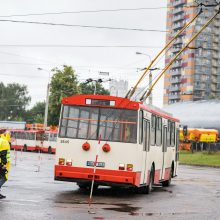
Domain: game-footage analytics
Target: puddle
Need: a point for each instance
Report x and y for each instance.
(122, 207)
(141, 214)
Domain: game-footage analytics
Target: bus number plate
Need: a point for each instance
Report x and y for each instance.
(98, 164)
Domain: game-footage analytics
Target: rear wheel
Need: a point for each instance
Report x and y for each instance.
(49, 150)
(25, 148)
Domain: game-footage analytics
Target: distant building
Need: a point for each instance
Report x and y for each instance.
(12, 124)
(195, 75)
(118, 87)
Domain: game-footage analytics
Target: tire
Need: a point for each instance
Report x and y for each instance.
(82, 185)
(25, 148)
(49, 150)
(167, 183)
(151, 182)
(87, 186)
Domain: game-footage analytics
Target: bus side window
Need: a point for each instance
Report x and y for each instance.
(168, 133)
(146, 135)
(141, 127)
(172, 134)
(158, 131)
(153, 129)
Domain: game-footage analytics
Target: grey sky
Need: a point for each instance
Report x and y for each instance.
(19, 64)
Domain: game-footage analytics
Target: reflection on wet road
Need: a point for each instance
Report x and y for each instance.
(194, 194)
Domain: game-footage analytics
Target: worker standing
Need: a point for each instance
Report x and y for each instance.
(4, 159)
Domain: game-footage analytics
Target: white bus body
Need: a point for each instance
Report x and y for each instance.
(138, 147)
(50, 142)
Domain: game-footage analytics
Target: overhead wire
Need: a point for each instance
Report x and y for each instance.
(91, 11)
(18, 55)
(82, 26)
(79, 46)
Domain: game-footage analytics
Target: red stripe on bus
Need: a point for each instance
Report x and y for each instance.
(115, 176)
(156, 176)
(167, 173)
(16, 147)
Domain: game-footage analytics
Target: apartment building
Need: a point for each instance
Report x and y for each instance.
(195, 75)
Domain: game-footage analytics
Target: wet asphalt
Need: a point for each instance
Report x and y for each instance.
(32, 193)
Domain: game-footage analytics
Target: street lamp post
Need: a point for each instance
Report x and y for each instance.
(47, 99)
(139, 53)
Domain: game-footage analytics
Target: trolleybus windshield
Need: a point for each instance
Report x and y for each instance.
(79, 122)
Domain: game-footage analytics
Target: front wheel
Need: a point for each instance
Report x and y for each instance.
(87, 186)
(151, 182)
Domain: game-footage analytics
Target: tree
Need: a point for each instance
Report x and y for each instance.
(14, 100)
(89, 88)
(36, 113)
(63, 83)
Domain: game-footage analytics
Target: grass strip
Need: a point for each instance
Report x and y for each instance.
(200, 158)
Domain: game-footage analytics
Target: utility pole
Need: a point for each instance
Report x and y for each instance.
(46, 106)
(94, 86)
(150, 84)
(47, 98)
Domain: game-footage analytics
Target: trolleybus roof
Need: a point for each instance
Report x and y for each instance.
(113, 102)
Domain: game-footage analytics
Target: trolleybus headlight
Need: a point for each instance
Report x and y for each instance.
(129, 167)
(106, 148)
(69, 162)
(61, 161)
(86, 146)
(121, 166)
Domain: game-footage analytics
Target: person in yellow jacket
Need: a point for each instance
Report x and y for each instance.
(4, 159)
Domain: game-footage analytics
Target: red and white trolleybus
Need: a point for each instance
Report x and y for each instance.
(26, 140)
(138, 146)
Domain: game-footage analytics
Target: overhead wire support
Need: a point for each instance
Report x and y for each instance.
(132, 90)
(206, 5)
(143, 98)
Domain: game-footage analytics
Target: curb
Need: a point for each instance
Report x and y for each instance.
(200, 165)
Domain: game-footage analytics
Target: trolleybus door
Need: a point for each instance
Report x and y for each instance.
(177, 152)
(146, 146)
(164, 151)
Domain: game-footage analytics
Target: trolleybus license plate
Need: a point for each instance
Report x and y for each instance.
(98, 164)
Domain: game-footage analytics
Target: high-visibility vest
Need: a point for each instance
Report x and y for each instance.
(4, 145)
